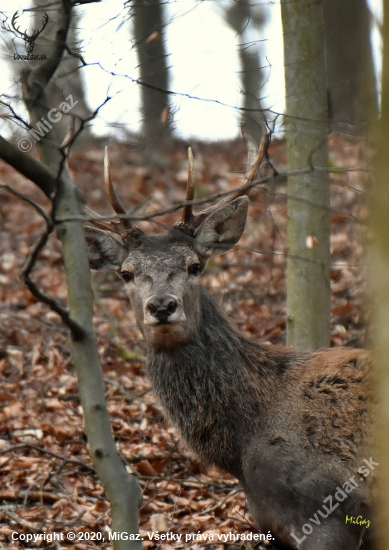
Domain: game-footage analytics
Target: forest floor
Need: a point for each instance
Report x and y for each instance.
(47, 483)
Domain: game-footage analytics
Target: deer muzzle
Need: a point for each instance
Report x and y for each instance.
(161, 310)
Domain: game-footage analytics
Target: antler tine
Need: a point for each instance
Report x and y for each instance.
(113, 199)
(13, 23)
(95, 220)
(245, 186)
(36, 33)
(187, 215)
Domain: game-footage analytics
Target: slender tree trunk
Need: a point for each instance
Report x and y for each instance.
(308, 302)
(350, 69)
(242, 18)
(150, 44)
(379, 263)
(123, 489)
(68, 78)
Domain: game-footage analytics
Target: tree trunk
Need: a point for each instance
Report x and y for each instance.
(123, 490)
(149, 36)
(308, 301)
(379, 269)
(68, 77)
(350, 69)
(242, 18)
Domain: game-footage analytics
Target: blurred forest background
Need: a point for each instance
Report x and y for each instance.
(214, 58)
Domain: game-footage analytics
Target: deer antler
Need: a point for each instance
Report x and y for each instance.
(95, 220)
(35, 33)
(28, 39)
(191, 221)
(253, 167)
(113, 199)
(24, 35)
(187, 214)
(121, 227)
(15, 16)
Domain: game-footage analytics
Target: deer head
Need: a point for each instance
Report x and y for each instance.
(29, 40)
(161, 272)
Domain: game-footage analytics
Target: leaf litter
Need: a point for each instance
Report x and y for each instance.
(47, 482)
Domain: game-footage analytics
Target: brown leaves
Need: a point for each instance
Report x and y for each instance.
(47, 479)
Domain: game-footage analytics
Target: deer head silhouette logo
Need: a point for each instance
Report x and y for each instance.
(29, 40)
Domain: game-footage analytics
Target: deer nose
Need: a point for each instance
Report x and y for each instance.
(162, 308)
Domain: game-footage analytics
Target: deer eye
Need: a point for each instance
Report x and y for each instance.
(194, 269)
(127, 276)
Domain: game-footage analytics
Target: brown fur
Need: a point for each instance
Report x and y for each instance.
(294, 428)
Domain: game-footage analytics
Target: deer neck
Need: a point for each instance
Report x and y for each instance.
(212, 387)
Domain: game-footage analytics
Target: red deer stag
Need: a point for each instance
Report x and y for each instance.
(292, 427)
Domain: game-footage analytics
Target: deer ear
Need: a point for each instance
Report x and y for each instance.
(104, 251)
(223, 228)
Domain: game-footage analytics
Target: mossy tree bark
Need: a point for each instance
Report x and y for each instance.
(379, 270)
(308, 302)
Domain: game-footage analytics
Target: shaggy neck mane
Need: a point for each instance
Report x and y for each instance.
(211, 371)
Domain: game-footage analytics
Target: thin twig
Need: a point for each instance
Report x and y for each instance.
(28, 266)
(64, 459)
(29, 201)
(30, 263)
(20, 521)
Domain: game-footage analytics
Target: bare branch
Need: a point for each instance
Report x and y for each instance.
(15, 116)
(29, 201)
(76, 54)
(77, 330)
(29, 264)
(99, 221)
(63, 459)
(79, 2)
(32, 169)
